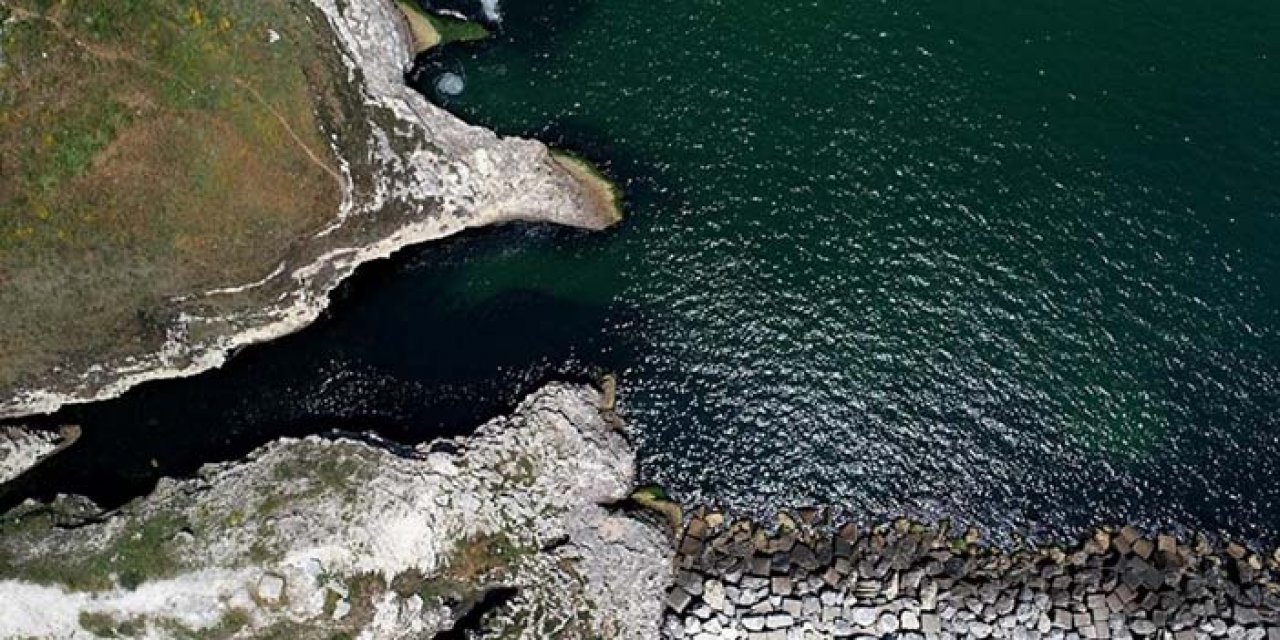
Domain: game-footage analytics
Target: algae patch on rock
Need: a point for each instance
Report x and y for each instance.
(604, 192)
(424, 33)
(431, 30)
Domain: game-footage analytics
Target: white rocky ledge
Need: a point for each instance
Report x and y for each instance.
(350, 537)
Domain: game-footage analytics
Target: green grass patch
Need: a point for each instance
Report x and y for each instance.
(468, 566)
(327, 472)
(139, 552)
(231, 623)
(73, 145)
(147, 149)
(454, 30)
(104, 625)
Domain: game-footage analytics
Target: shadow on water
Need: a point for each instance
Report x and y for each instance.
(400, 353)
(540, 27)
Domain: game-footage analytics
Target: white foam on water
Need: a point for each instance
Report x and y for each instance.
(450, 84)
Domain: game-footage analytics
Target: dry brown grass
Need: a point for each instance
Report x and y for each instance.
(150, 149)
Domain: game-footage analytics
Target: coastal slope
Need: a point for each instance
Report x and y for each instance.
(315, 537)
(180, 182)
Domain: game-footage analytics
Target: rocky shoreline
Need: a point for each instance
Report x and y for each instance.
(510, 528)
(22, 448)
(410, 173)
(806, 578)
(532, 527)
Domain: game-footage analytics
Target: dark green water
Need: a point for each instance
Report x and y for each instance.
(1012, 263)
(1016, 262)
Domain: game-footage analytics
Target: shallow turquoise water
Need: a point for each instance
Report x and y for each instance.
(1013, 262)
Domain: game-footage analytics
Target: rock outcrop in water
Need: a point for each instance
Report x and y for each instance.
(313, 538)
(22, 448)
(409, 173)
(801, 580)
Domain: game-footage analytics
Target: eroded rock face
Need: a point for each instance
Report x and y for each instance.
(21, 449)
(319, 537)
(410, 173)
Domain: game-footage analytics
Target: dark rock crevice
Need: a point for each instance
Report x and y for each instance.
(471, 613)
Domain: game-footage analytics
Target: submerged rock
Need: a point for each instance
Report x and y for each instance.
(450, 84)
(318, 537)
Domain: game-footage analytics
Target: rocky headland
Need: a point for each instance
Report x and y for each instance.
(532, 527)
(176, 295)
(510, 529)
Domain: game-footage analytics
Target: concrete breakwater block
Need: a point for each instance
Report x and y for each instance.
(807, 578)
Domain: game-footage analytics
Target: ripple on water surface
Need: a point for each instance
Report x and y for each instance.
(1013, 264)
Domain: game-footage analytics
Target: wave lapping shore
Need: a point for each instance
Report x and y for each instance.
(803, 580)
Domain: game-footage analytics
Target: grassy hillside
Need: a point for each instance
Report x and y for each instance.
(148, 149)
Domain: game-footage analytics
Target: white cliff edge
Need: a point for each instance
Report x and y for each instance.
(418, 175)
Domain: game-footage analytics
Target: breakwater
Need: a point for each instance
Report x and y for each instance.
(806, 578)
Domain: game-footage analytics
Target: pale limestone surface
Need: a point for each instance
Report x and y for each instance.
(287, 537)
(21, 449)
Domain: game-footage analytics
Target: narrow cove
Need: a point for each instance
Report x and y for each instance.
(399, 353)
(888, 267)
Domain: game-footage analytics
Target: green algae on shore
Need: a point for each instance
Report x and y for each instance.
(603, 190)
(424, 33)
(431, 30)
(457, 30)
